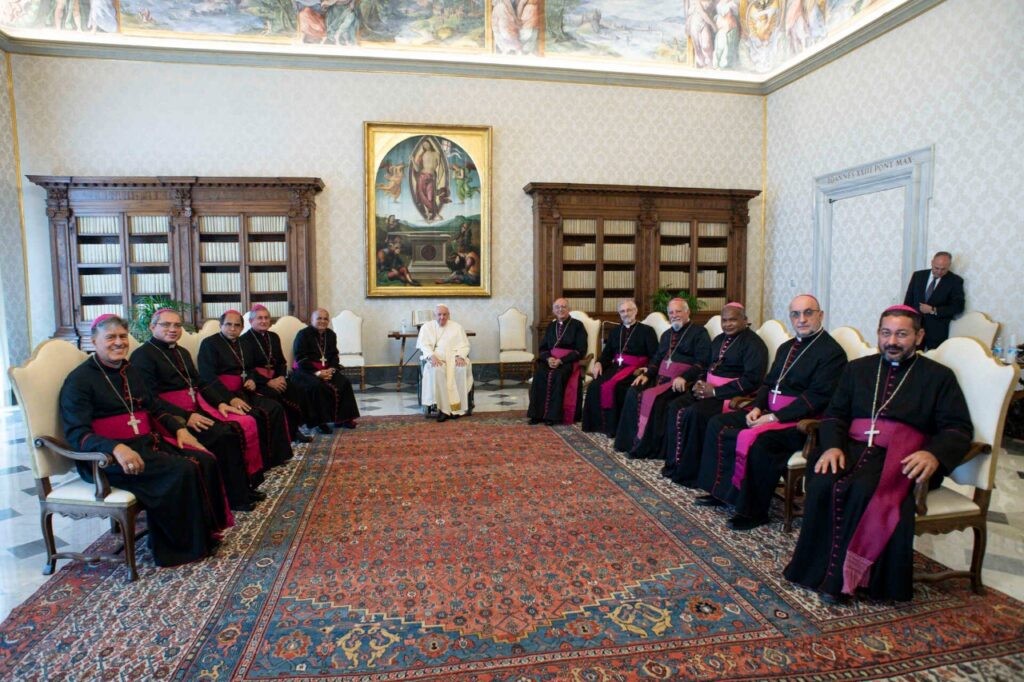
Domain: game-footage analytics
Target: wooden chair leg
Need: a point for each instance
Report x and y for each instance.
(501, 375)
(48, 540)
(789, 494)
(362, 378)
(978, 557)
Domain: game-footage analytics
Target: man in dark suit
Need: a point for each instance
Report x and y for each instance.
(939, 295)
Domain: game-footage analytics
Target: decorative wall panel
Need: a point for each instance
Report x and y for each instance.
(12, 268)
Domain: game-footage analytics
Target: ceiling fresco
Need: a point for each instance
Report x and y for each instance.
(727, 39)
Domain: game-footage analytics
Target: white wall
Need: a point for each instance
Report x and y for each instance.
(951, 77)
(96, 117)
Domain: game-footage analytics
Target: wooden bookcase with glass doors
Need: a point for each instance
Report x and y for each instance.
(597, 244)
(215, 243)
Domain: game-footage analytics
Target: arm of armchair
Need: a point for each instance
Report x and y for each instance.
(98, 460)
(740, 401)
(921, 487)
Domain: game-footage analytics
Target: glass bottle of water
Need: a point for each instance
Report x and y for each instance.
(997, 349)
(1011, 351)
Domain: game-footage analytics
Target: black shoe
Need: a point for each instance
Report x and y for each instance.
(534, 422)
(242, 507)
(741, 522)
(834, 599)
(708, 501)
(442, 417)
(469, 412)
(302, 438)
(324, 428)
(549, 422)
(350, 424)
(256, 496)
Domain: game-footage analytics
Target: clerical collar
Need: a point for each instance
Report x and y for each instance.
(899, 363)
(157, 342)
(801, 339)
(107, 368)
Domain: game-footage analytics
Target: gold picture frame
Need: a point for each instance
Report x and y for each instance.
(428, 210)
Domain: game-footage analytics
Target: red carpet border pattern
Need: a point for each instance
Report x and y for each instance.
(486, 549)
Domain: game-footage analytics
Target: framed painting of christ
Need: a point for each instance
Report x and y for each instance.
(428, 210)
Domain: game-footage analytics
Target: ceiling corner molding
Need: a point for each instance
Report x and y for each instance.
(882, 25)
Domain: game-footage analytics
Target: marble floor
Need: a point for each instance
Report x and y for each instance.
(22, 553)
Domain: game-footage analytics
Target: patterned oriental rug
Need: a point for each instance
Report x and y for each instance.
(486, 549)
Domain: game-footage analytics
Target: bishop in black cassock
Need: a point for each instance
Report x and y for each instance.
(222, 359)
(682, 356)
(888, 413)
(626, 351)
(167, 368)
(798, 386)
(264, 352)
(739, 359)
(563, 346)
(317, 370)
(108, 409)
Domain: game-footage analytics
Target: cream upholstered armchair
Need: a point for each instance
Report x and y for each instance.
(659, 322)
(852, 342)
(209, 328)
(287, 327)
(37, 386)
(975, 325)
(714, 326)
(512, 345)
(349, 328)
(962, 500)
(774, 334)
(190, 341)
(593, 327)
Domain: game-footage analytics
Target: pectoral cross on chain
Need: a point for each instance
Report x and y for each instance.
(134, 423)
(244, 375)
(775, 393)
(192, 394)
(323, 360)
(618, 359)
(871, 433)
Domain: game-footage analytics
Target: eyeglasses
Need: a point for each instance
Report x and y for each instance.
(797, 314)
(169, 325)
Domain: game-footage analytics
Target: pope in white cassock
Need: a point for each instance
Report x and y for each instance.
(447, 373)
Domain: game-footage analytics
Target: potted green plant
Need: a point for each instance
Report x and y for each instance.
(661, 297)
(147, 305)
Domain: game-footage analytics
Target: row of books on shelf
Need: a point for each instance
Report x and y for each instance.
(674, 229)
(579, 226)
(712, 254)
(713, 229)
(221, 282)
(100, 285)
(99, 253)
(149, 224)
(675, 252)
(579, 279)
(268, 281)
(228, 252)
(151, 283)
(91, 312)
(150, 253)
(618, 251)
(231, 224)
(218, 308)
(619, 279)
(674, 280)
(91, 225)
(579, 251)
(622, 228)
(710, 279)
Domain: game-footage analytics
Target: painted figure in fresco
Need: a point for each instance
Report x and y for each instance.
(59, 7)
(805, 23)
(341, 21)
(505, 27)
(312, 26)
(391, 264)
(700, 26)
(428, 178)
(463, 187)
(529, 25)
(762, 35)
(392, 184)
(465, 267)
(727, 34)
(102, 16)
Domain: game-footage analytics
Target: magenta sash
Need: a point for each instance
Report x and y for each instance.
(648, 396)
(629, 363)
(717, 381)
(747, 437)
(879, 520)
(116, 427)
(571, 395)
(232, 382)
(265, 372)
(319, 365)
(253, 459)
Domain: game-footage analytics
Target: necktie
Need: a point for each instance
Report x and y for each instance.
(930, 289)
